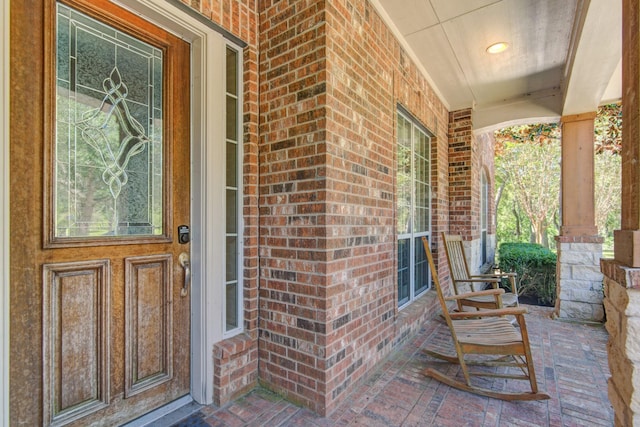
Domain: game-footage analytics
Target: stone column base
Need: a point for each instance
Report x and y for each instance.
(578, 278)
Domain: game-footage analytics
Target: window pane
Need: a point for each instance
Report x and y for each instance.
(232, 164)
(232, 116)
(232, 259)
(422, 208)
(404, 277)
(231, 306)
(232, 211)
(108, 152)
(403, 210)
(421, 268)
(232, 71)
(484, 202)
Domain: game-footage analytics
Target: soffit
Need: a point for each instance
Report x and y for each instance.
(563, 55)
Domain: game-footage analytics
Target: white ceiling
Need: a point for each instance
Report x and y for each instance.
(564, 56)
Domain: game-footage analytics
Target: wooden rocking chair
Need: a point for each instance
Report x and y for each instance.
(486, 333)
(460, 277)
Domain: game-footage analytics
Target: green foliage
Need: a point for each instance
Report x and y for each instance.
(536, 269)
(608, 129)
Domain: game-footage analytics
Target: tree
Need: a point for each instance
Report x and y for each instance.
(532, 172)
(608, 170)
(526, 166)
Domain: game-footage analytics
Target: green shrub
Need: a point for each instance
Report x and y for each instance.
(536, 269)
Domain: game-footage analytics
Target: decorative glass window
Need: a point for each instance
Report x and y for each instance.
(233, 288)
(413, 210)
(109, 142)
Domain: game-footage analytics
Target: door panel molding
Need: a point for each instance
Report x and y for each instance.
(148, 337)
(76, 344)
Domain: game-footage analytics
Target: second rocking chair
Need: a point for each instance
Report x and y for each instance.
(462, 280)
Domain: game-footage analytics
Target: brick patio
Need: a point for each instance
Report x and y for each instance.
(571, 365)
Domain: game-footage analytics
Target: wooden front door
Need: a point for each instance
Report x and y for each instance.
(100, 206)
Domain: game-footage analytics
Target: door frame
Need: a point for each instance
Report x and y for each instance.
(4, 215)
(207, 117)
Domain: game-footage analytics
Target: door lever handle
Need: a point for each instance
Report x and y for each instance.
(184, 261)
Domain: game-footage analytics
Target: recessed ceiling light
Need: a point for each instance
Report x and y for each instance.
(498, 47)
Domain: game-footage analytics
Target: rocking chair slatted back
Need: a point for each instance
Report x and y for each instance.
(463, 281)
(457, 261)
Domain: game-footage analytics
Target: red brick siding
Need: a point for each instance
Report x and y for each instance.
(294, 250)
(360, 135)
(331, 74)
(464, 211)
(486, 162)
(468, 157)
(370, 74)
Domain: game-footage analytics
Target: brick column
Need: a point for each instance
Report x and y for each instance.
(464, 184)
(578, 277)
(461, 215)
(622, 275)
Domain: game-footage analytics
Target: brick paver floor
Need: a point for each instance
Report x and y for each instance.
(571, 366)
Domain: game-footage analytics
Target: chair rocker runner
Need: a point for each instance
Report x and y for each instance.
(485, 333)
(460, 277)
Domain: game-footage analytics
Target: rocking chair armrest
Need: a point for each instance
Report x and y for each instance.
(495, 275)
(511, 311)
(476, 279)
(498, 276)
(475, 294)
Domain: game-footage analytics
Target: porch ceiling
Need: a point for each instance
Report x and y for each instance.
(564, 56)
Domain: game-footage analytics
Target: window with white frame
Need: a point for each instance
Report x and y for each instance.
(413, 209)
(233, 255)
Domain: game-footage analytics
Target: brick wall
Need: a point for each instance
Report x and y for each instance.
(468, 157)
(294, 271)
(486, 162)
(464, 216)
(331, 75)
(485, 144)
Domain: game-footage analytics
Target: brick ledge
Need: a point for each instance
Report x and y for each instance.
(229, 347)
(628, 277)
(579, 239)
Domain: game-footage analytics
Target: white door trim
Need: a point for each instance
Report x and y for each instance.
(4, 215)
(207, 174)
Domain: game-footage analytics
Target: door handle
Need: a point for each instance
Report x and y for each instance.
(184, 261)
